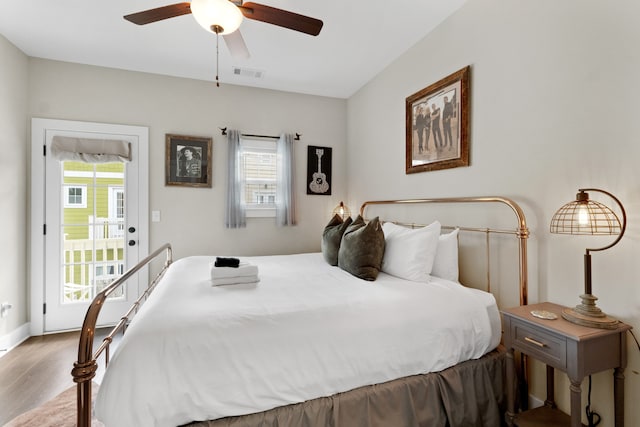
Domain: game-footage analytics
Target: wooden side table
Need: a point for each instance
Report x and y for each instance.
(576, 350)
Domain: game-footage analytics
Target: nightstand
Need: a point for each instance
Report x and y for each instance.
(577, 350)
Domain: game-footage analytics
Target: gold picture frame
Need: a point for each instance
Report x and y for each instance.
(437, 125)
(188, 160)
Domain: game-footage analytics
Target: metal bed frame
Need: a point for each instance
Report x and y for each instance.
(84, 369)
(521, 231)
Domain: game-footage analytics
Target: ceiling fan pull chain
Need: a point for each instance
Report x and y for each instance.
(217, 55)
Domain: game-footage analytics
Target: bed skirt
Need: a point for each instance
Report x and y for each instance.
(469, 394)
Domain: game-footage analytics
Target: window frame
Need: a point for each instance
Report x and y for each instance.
(83, 202)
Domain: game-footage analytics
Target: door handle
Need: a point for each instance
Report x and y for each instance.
(132, 242)
(132, 230)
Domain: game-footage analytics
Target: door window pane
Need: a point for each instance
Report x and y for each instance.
(92, 234)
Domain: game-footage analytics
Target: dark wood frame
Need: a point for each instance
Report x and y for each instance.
(202, 145)
(437, 159)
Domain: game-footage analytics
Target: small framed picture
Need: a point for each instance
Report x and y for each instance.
(188, 161)
(437, 123)
(319, 170)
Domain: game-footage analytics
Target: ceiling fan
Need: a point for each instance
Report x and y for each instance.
(223, 17)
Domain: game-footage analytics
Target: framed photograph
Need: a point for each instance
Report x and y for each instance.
(188, 161)
(437, 124)
(319, 170)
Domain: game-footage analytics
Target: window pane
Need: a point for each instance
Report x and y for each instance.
(260, 194)
(75, 196)
(260, 177)
(120, 204)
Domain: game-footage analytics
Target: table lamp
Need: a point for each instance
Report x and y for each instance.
(342, 211)
(584, 216)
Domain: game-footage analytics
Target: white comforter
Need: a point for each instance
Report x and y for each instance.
(198, 352)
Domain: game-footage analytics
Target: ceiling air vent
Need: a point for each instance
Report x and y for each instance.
(248, 72)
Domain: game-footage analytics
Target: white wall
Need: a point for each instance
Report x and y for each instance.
(192, 219)
(13, 191)
(553, 108)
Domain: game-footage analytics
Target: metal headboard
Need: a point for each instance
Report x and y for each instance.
(521, 231)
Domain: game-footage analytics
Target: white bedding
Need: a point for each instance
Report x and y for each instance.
(306, 330)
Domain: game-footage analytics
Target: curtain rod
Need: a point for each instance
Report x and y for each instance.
(224, 132)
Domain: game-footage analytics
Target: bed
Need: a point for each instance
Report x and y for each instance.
(308, 345)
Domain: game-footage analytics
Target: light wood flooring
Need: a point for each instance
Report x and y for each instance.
(36, 371)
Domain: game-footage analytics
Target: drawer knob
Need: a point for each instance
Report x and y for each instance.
(535, 342)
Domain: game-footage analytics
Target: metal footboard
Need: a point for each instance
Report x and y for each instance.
(86, 366)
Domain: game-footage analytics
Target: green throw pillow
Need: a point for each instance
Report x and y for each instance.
(362, 249)
(331, 238)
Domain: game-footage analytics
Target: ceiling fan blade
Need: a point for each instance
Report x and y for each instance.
(282, 18)
(158, 14)
(235, 44)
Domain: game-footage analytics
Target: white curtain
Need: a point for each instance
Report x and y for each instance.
(235, 215)
(89, 150)
(285, 194)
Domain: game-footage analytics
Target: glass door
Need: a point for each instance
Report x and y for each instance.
(91, 238)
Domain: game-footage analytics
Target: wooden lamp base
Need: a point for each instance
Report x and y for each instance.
(588, 314)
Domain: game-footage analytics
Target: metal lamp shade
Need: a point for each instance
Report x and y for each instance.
(584, 216)
(342, 211)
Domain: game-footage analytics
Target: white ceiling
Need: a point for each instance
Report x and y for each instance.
(359, 39)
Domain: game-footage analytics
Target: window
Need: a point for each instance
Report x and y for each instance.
(75, 196)
(116, 212)
(259, 168)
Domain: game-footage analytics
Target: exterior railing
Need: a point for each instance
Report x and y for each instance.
(80, 260)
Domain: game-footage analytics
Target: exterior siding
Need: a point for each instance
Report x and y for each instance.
(76, 220)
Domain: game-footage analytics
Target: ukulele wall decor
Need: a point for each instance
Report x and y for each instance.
(319, 170)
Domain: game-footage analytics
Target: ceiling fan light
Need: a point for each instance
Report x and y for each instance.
(222, 13)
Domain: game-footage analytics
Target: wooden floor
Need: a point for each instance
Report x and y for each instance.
(36, 371)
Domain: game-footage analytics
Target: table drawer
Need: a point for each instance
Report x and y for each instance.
(546, 347)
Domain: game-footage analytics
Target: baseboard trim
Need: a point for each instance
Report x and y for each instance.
(534, 402)
(14, 338)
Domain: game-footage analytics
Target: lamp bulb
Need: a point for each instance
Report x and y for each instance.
(583, 216)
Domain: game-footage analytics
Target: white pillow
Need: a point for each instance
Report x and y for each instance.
(409, 253)
(445, 264)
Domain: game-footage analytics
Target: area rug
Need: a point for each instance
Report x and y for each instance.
(57, 412)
